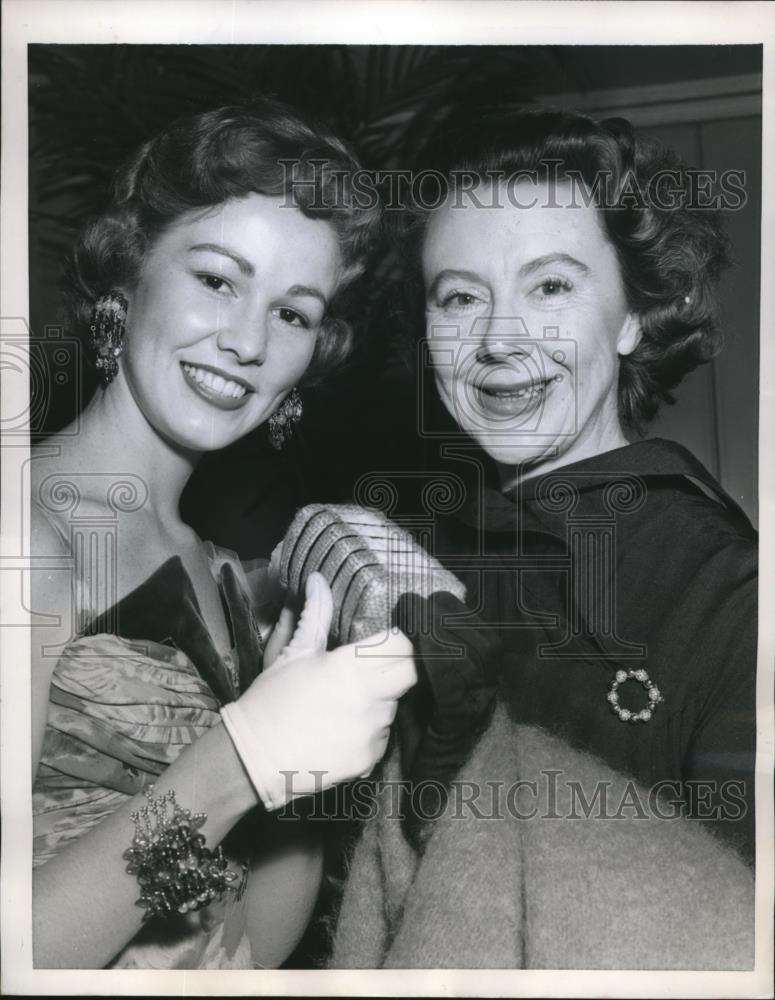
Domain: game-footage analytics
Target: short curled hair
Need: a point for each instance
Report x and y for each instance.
(671, 250)
(206, 159)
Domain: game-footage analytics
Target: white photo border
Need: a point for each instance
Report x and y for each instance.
(348, 21)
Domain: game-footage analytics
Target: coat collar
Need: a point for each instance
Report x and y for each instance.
(651, 464)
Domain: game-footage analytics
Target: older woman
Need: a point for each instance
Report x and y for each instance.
(209, 289)
(564, 299)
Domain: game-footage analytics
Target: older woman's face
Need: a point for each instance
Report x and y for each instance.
(526, 318)
(223, 320)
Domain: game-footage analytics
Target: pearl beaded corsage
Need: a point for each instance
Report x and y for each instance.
(175, 870)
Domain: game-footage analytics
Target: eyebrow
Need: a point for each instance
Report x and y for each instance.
(553, 258)
(450, 273)
(304, 291)
(245, 266)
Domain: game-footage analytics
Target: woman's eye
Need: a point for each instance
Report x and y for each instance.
(553, 287)
(214, 282)
(291, 317)
(460, 300)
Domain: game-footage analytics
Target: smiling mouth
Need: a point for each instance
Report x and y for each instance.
(513, 392)
(226, 393)
(505, 399)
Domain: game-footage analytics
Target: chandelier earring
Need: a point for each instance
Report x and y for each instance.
(107, 333)
(284, 419)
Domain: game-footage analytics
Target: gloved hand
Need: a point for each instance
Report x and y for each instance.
(314, 718)
(441, 720)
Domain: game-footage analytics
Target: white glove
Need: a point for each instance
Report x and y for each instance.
(313, 711)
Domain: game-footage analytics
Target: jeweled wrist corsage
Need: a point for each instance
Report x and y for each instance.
(176, 872)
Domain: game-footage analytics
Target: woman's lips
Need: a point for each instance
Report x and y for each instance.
(510, 399)
(217, 388)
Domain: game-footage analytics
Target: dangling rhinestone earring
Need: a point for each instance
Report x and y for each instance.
(284, 419)
(107, 333)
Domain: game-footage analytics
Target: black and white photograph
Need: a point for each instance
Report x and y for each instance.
(386, 442)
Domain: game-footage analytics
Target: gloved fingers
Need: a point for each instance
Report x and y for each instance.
(275, 559)
(392, 708)
(384, 663)
(383, 712)
(380, 746)
(280, 636)
(311, 635)
(393, 678)
(382, 646)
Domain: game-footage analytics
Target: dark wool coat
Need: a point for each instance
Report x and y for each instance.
(621, 844)
(635, 559)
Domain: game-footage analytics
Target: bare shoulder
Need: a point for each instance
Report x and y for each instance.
(51, 612)
(62, 480)
(51, 576)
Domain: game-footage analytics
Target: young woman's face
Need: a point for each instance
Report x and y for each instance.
(526, 318)
(223, 319)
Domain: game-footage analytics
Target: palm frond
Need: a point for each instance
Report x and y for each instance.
(92, 105)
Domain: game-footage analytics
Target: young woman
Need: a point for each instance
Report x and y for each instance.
(209, 289)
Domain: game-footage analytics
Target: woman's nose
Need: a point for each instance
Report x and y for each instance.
(502, 338)
(245, 335)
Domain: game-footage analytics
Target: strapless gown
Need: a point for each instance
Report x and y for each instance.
(130, 691)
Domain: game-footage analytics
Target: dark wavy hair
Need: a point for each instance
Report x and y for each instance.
(671, 251)
(206, 159)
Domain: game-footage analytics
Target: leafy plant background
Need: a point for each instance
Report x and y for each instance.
(92, 105)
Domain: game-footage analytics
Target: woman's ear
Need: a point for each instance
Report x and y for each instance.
(629, 335)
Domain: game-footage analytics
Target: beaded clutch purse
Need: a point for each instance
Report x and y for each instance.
(368, 561)
(379, 576)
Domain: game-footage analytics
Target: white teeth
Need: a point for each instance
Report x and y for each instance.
(528, 391)
(216, 383)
